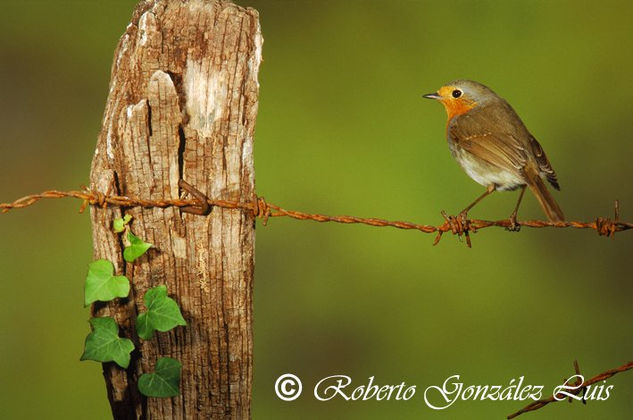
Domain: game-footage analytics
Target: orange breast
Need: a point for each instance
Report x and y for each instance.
(457, 107)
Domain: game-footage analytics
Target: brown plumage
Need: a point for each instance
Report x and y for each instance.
(493, 146)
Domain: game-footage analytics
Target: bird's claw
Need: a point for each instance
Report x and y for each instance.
(514, 224)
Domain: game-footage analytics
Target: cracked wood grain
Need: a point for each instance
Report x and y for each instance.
(182, 104)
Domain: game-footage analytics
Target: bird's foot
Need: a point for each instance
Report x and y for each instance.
(514, 224)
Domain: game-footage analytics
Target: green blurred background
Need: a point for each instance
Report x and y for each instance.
(342, 129)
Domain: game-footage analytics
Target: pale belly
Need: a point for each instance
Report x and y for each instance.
(486, 174)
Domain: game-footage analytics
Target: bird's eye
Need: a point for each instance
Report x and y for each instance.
(456, 93)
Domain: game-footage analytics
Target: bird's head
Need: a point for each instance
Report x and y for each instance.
(460, 96)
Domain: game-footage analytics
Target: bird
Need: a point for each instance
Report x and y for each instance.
(492, 145)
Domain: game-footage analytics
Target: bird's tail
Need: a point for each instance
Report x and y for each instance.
(544, 197)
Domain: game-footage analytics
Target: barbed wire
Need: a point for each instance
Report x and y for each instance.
(581, 387)
(264, 210)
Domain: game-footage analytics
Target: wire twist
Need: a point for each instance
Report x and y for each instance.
(580, 388)
(263, 210)
(260, 208)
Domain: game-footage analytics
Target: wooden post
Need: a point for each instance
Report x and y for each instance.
(182, 105)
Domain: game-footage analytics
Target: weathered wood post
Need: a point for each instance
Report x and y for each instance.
(182, 105)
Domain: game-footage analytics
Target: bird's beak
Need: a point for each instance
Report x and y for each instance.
(432, 96)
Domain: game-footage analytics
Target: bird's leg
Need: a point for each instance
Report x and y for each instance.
(489, 190)
(514, 224)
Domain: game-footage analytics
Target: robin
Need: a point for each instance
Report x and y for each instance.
(491, 143)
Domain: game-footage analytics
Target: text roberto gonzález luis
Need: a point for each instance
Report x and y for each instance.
(452, 390)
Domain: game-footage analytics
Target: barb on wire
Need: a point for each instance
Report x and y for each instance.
(260, 208)
(580, 388)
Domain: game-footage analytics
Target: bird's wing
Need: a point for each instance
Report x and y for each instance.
(489, 137)
(543, 162)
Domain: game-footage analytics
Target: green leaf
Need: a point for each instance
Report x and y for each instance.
(119, 224)
(164, 382)
(162, 314)
(103, 344)
(102, 284)
(137, 248)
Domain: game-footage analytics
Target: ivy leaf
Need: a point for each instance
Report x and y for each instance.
(137, 248)
(101, 283)
(118, 225)
(162, 314)
(103, 344)
(164, 382)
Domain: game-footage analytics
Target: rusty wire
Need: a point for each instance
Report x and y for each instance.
(581, 388)
(262, 209)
